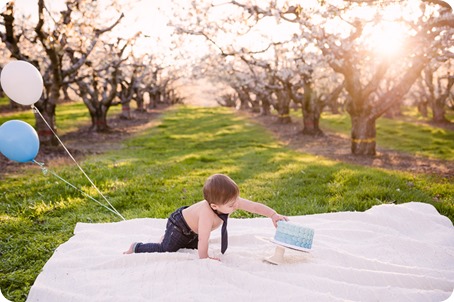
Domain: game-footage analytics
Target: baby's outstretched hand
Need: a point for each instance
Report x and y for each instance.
(276, 217)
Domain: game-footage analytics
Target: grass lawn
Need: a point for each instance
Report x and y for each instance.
(407, 136)
(164, 167)
(69, 116)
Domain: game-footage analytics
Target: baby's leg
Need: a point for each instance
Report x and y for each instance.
(139, 247)
(172, 241)
(148, 248)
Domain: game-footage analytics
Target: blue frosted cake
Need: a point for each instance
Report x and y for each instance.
(294, 234)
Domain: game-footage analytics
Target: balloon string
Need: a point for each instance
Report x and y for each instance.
(77, 164)
(45, 171)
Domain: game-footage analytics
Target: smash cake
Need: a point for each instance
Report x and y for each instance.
(293, 234)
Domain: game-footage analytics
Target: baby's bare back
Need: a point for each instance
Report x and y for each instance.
(200, 210)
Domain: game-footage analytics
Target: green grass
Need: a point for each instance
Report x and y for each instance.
(165, 167)
(413, 114)
(4, 101)
(406, 136)
(69, 116)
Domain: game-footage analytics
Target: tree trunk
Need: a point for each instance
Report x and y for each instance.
(67, 98)
(283, 110)
(47, 109)
(140, 101)
(266, 108)
(283, 107)
(422, 108)
(311, 111)
(13, 105)
(154, 98)
(99, 119)
(245, 99)
(363, 135)
(266, 104)
(438, 104)
(333, 99)
(438, 111)
(244, 104)
(335, 108)
(394, 111)
(256, 108)
(439, 95)
(125, 111)
(311, 121)
(284, 116)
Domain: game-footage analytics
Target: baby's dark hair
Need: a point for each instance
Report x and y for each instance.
(220, 189)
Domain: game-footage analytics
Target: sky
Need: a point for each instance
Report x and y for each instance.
(144, 15)
(151, 17)
(147, 16)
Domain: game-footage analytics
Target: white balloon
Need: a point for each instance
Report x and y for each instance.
(22, 82)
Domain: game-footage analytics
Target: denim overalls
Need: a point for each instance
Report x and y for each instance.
(177, 235)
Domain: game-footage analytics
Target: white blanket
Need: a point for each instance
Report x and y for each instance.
(388, 253)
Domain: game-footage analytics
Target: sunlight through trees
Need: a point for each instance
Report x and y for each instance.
(364, 57)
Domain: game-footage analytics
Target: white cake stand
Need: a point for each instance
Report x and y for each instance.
(279, 252)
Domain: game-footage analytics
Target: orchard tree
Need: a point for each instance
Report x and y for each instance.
(429, 32)
(358, 40)
(227, 38)
(59, 47)
(240, 77)
(98, 87)
(438, 89)
(285, 58)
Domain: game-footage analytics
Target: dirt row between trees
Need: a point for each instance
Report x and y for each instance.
(337, 147)
(332, 146)
(83, 142)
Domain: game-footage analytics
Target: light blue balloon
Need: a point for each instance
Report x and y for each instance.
(18, 141)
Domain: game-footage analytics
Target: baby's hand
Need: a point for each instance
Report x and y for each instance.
(276, 217)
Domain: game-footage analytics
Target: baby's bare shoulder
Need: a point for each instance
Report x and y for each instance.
(199, 210)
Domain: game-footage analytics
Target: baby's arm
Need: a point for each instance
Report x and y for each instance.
(261, 209)
(204, 227)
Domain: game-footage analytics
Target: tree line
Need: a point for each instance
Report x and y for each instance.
(274, 55)
(327, 60)
(78, 59)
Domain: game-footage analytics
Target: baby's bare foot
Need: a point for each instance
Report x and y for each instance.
(130, 251)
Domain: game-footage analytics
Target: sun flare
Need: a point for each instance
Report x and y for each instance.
(387, 39)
